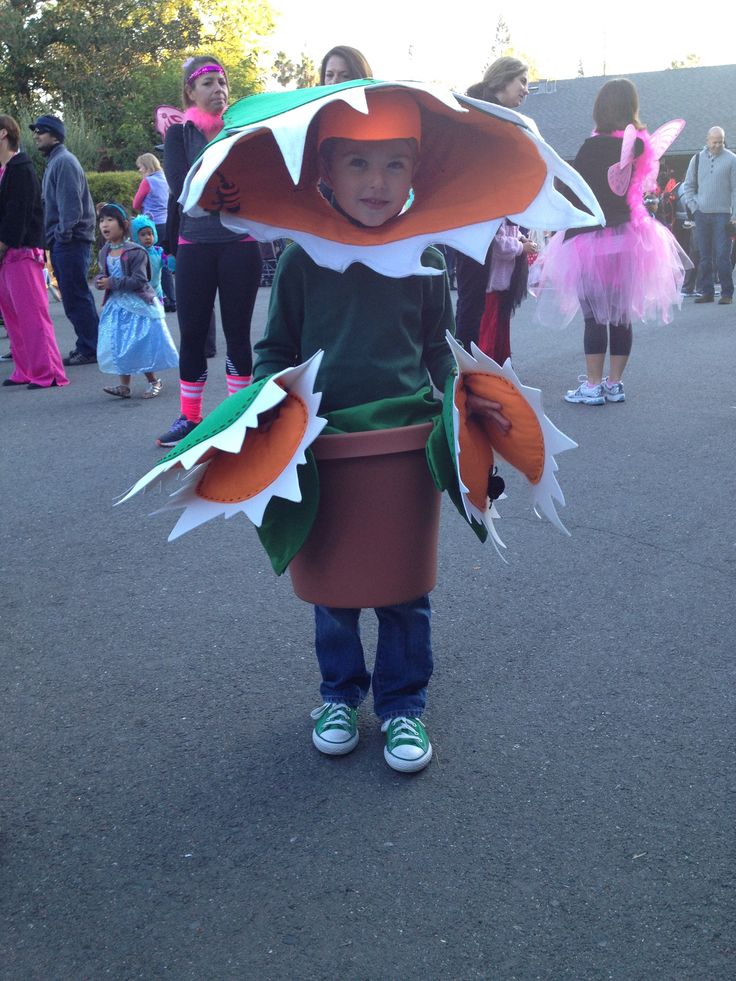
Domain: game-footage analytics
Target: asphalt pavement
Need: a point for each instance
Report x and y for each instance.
(164, 814)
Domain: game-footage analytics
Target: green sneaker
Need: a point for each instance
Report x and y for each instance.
(408, 748)
(336, 730)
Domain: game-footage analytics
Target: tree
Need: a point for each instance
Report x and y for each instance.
(581, 70)
(111, 63)
(502, 40)
(503, 47)
(20, 42)
(303, 73)
(233, 31)
(689, 61)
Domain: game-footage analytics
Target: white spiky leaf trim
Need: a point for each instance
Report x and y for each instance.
(547, 490)
(298, 381)
(548, 210)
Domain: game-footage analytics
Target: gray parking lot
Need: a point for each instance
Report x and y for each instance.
(164, 814)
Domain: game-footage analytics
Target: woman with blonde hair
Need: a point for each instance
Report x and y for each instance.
(152, 195)
(152, 199)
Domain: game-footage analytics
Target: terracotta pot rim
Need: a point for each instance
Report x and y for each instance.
(373, 442)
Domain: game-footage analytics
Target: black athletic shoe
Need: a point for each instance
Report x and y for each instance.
(76, 357)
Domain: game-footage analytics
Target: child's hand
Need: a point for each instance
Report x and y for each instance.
(102, 282)
(530, 246)
(489, 410)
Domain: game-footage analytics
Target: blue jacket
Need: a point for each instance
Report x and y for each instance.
(69, 214)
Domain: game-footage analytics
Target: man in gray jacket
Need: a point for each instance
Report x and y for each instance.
(69, 226)
(709, 191)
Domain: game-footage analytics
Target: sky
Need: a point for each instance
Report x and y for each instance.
(450, 41)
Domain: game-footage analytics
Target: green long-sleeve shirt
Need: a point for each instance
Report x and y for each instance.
(381, 336)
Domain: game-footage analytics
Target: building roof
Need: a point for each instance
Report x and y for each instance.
(701, 96)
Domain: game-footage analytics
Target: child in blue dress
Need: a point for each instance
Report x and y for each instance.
(133, 336)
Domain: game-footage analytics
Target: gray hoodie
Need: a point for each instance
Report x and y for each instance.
(69, 213)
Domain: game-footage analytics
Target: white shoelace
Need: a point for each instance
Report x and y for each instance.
(338, 714)
(406, 728)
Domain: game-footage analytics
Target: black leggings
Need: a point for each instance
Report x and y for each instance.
(595, 338)
(202, 270)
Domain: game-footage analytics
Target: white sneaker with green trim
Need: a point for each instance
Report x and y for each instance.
(408, 748)
(336, 729)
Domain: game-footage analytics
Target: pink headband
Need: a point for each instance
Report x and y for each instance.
(203, 71)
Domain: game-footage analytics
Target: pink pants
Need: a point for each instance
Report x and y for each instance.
(25, 306)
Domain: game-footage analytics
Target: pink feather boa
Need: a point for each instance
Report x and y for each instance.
(210, 125)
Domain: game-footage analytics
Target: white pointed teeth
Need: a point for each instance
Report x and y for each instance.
(289, 128)
(188, 472)
(546, 490)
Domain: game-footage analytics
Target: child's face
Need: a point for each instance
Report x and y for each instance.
(145, 237)
(111, 229)
(371, 179)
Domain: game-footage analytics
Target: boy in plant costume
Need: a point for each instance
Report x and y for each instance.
(361, 308)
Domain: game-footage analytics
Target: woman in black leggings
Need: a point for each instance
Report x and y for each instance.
(210, 259)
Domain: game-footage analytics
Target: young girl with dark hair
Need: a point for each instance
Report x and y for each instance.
(631, 269)
(133, 336)
(210, 259)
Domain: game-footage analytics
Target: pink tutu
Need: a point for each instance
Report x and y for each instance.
(632, 272)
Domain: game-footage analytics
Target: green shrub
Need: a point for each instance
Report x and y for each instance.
(114, 185)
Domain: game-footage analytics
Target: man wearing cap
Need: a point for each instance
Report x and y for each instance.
(69, 225)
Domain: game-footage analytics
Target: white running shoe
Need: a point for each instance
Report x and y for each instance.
(586, 394)
(613, 392)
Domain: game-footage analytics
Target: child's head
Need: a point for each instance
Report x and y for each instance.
(114, 224)
(148, 163)
(144, 231)
(369, 161)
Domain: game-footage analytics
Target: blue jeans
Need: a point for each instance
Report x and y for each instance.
(403, 664)
(714, 245)
(71, 265)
